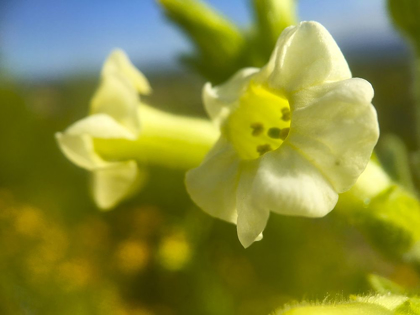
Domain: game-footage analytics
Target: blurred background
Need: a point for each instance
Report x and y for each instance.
(151, 255)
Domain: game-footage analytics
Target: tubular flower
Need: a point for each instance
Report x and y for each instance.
(122, 135)
(294, 135)
(113, 115)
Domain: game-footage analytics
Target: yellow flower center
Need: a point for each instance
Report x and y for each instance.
(259, 124)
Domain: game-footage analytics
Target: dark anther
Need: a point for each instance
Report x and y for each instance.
(286, 114)
(274, 133)
(264, 148)
(257, 129)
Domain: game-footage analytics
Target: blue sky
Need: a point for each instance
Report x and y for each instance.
(53, 38)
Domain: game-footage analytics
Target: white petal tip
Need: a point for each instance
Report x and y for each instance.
(247, 239)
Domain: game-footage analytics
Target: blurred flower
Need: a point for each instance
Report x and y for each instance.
(113, 114)
(294, 134)
(121, 133)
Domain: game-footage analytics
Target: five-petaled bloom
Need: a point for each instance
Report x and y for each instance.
(294, 135)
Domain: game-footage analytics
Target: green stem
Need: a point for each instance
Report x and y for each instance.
(272, 17)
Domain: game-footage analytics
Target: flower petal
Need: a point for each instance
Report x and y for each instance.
(336, 128)
(119, 63)
(117, 98)
(113, 183)
(79, 149)
(286, 183)
(306, 55)
(252, 218)
(100, 126)
(76, 141)
(212, 185)
(218, 100)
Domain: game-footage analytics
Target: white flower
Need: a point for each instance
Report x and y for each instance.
(122, 135)
(113, 115)
(294, 135)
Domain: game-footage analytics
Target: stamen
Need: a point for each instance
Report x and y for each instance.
(286, 114)
(264, 148)
(257, 129)
(274, 133)
(284, 133)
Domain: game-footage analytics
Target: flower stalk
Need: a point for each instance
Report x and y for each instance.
(272, 17)
(219, 42)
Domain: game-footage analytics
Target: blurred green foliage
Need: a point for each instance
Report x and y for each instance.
(390, 220)
(405, 15)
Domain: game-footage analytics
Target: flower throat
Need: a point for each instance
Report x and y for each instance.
(259, 124)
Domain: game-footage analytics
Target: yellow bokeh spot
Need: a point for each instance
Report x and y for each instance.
(132, 256)
(29, 221)
(75, 274)
(174, 251)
